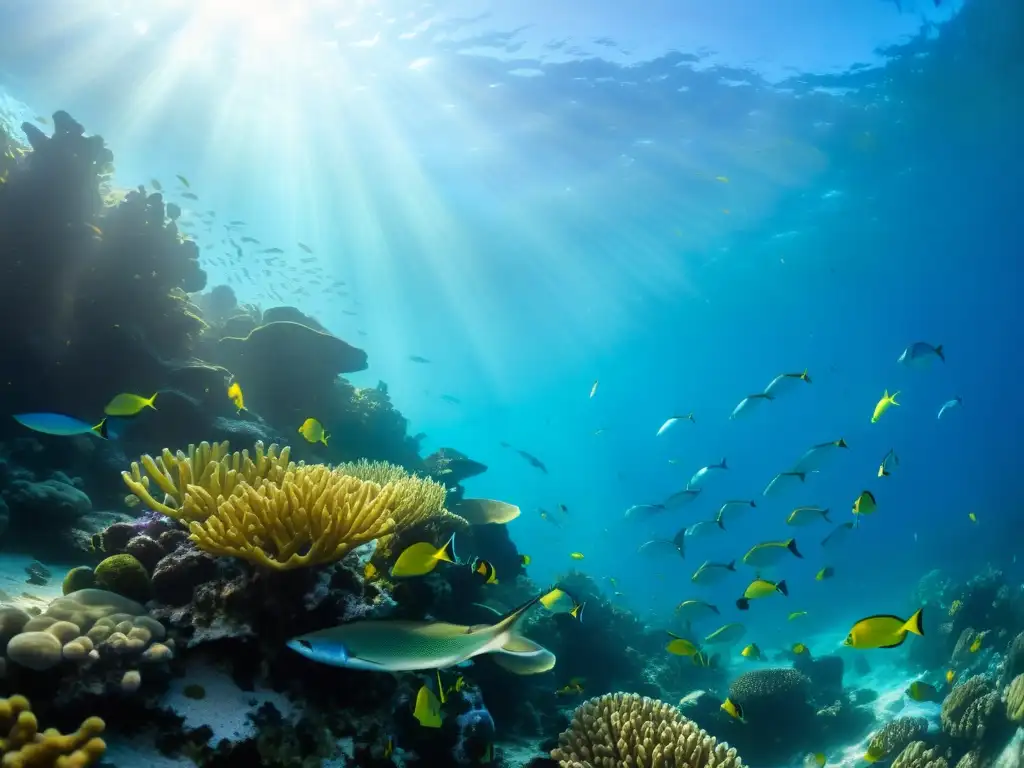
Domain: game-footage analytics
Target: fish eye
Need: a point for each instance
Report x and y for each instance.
(306, 644)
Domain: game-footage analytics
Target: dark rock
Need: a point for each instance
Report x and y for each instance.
(282, 348)
(170, 540)
(292, 315)
(115, 538)
(146, 550)
(45, 503)
(178, 574)
(451, 466)
(825, 673)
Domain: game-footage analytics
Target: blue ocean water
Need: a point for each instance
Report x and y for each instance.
(679, 201)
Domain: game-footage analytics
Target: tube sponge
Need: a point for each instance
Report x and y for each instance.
(22, 746)
(628, 729)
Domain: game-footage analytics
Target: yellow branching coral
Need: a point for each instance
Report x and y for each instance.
(23, 746)
(211, 467)
(620, 730)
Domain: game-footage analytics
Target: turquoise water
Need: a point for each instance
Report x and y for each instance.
(678, 202)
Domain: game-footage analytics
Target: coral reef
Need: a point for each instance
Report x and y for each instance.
(1015, 700)
(23, 745)
(918, 755)
(895, 736)
(627, 729)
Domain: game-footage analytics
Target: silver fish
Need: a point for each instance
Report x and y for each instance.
(920, 354)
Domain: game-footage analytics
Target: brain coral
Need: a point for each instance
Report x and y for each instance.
(769, 691)
(627, 730)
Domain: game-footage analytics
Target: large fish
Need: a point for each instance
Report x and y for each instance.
(406, 646)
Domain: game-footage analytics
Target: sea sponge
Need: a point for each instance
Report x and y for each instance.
(917, 755)
(625, 729)
(125, 575)
(1015, 700)
(971, 708)
(21, 744)
(78, 578)
(895, 736)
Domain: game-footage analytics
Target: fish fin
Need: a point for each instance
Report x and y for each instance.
(150, 401)
(689, 416)
(805, 377)
(326, 437)
(781, 587)
(731, 565)
(752, 503)
(101, 429)
(447, 552)
(791, 546)
(507, 623)
(679, 540)
(938, 351)
(892, 398)
(898, 643)
(743, 604)
(723, 465)
(720, 524)
(841, 442)
(915, 623)
(825, 515)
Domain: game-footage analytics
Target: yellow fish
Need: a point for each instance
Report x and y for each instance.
(883, 405)
(577, 611)
(576, 555)
(976, 645)
(884, 631)
(825, 573)
(723, 179)
(575, 685)
(428, 708)
(922, 691)
(524, 560)
(680, 646)
(972, 517)
(128, 405)
(235, 395)
(313, 431)
(950, 676)
(751, 652)
(732, 709)
(485, 570)
(797, 614)
(865, 504)
(761, 588)
(421, 558)
(389, 748)
(369, 572)
(816, 760)
(799, 649)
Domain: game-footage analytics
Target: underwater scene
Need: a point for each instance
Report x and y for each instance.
(565, 383)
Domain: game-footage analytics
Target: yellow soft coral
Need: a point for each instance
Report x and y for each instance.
(22, 746)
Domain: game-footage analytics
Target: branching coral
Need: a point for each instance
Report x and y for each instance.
(283, 515)
(895, 736)
(21, 744)
(917, 755)
(619, 730)
(1015, 700)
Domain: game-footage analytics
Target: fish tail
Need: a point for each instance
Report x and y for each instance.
(752, 503)
(781, 587)
(731, 566)
(892, 398)
(689, 416)
(939, 352)
(325, 438)
(101, 429)
(151, 400)
(791, 546)
(447, 552)
(508, 623)
(679, 540)
(723, 465)
(720, 523)
(915, 623)
(841, 443)
(577, 611)
(805, 377)
(743, 604)
(825, 515)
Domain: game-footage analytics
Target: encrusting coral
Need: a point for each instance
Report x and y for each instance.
(283, 515)
(917, 755)
(22, 746)
(625, 729)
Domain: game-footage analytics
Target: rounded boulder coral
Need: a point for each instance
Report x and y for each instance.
(767, 692)
(895, 736)
(917, 755)
(125, 575)
(625, 729)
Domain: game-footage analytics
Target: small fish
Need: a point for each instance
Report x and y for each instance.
(249, 239)
(922, 691)
(563, 509)
(702, 474)
(800, 649)
(751, 652)
(313, 431)
(421, 558)
(593, 388)
(883, 405)
(838, 534)
(183, 180)
(95, 230)
(399, 645)
(524, 560)
(889, 463)
(920, 354)
(807, 516)
(370, 572)
(956, 402)
(732, 510)
(42, 120)
(723, 179)
(747, 403)
(131, 500)
(733, 710)
(643, 511)
(389, 748)
(950, 676)
(864, 504)
(451, 399)
(533, 461)
(545, 516)
(726, 635)
(825, 573)
(486, 511)
(484, 570)
(156, 185)
(128, 405)
(572, 688)
(418, 359)
(236, 397)
(704, 528)
(713, 573)
(672, 421)
(681, 498)
(972, 517)
(680, 646)
(786, 382)
(759, 588)
(815, 760)
(272, 250)
(955, 606)
(884, 631)
(60, 425)
(190, 195)
(576, 555)
(976, 644)
(769, 553)
(692, 610)
(781, 480)
(428, 708)
(816, 457)
(797, 615)
(305, 247)
(675, 544)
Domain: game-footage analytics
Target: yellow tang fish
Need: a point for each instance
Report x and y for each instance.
(576, 555)
(369, 572)
(761, 588)
(751, 652)
(421, 558)
(236, 397)
(128, 405)
(428, 708)
(950, 676)
(524, 560)
(313, 431)
(883, 405)
(680, 646)
(732, 709)
(922, 691)
(884, 631)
